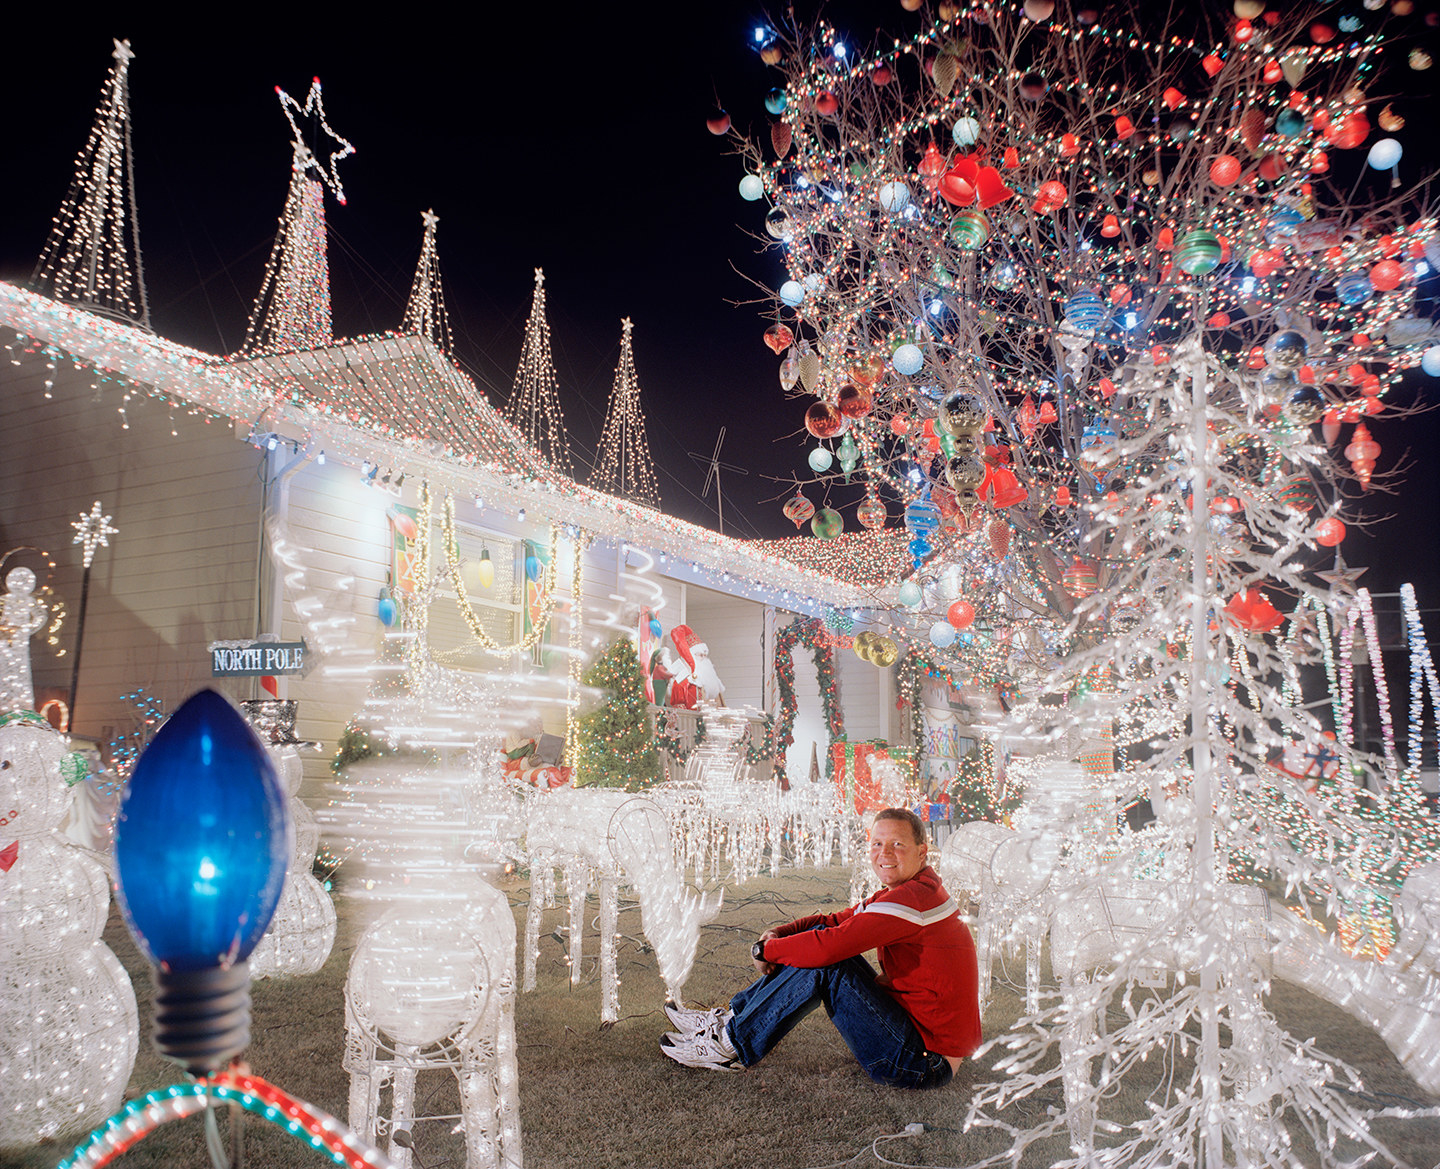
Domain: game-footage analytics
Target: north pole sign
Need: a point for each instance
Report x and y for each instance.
(249, 659)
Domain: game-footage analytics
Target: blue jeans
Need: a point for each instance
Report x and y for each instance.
(874, 1026)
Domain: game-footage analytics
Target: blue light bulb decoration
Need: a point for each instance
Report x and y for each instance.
(386, 609)
(201, 846)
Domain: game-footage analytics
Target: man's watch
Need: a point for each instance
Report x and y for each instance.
(757, 951)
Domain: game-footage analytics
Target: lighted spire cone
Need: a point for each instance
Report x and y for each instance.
(292, 311)
(425, 314)
(623, 465)
(534, 405)
(92, 255)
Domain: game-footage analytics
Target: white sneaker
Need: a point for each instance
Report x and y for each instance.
(704, 1051)
(690, 1022)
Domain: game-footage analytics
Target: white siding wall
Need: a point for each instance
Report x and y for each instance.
(733, 628)
(339, 528)
(180, 572)
(860, 686)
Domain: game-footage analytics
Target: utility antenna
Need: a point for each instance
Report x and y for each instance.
(713, 475)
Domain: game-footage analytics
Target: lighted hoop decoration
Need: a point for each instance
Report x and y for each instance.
(139, 1118)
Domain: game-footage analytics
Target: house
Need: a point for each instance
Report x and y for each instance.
(284, 493)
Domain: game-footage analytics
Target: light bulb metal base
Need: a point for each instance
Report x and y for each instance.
(202, 1017)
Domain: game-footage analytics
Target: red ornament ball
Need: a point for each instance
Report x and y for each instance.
(855, 401)
(1225, 170)
(1329, 531)
(1348, 133)
(960, 614)
(1053, 193)
(824, 420)
(1387, 275)
(1265, 262)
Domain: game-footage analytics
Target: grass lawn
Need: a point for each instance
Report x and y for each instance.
(593, 1097)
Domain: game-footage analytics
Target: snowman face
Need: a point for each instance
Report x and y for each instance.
(20, 581)
(33, 795)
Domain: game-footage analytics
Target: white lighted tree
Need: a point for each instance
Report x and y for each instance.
(1082, 289)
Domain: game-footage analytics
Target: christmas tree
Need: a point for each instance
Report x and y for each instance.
(624, 466)
(615, 745)
(534, 406)
(1076, 294)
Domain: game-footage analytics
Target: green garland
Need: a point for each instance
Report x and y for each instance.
(810, 632)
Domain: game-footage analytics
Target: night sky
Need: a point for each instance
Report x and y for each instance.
(570, 137)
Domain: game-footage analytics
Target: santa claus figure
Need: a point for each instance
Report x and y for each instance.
(694, 679)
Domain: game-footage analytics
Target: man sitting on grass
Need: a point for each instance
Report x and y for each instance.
(909, 1026)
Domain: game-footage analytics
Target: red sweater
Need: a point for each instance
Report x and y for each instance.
(927, 956)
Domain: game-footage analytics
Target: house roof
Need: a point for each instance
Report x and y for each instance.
(396, 386)
(399, 400)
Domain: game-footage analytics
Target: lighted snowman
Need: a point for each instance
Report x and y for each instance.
(302, 931)
(68, 1025)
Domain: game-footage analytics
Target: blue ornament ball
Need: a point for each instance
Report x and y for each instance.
(910, 594)
(942, 635)
(921, 516)
(1430, 361)
(1289, 122)
(1354, 288)
(1085, 310)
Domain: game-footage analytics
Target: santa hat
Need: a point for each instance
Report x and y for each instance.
(686, 639)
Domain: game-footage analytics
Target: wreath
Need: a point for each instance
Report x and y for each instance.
(810, 632)
(754, 752)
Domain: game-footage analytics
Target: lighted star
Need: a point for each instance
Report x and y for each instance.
(429, 219)
(123, 52)
(93, 530)
(305, 158)
(1341, 578)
